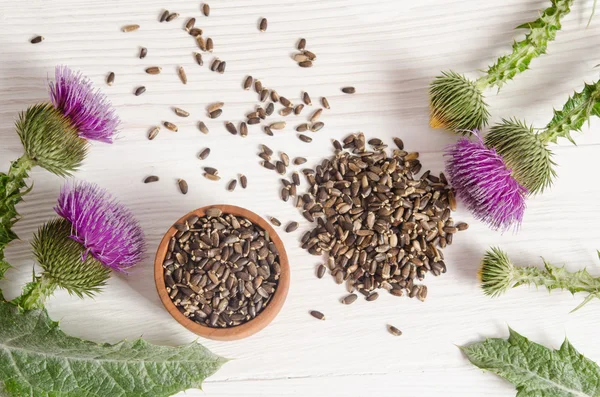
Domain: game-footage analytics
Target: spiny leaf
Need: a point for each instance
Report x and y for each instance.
(541, 31)
(576, 111)
(535, 370)
(38, 359)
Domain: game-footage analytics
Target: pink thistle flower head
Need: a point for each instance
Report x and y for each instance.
(89, 111)
(483, 181)
(107, 230)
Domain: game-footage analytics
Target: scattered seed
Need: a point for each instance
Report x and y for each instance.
(243, 129)
(304, 138)
(462, 226)
(348, 90)
(209, 44)
(253, 120)
(305, 64)
(231, 128)
(221, 67)
(139, 91)
(349, 299)
(321, 269)
(183, 186)
(310, 55)
(274, 96)
(267, 150)
(280, 167)
(275, 221)
(202, 127)
(325, 103)
(243, 181)
(164, 15)
(195, 32)
(394, 331)
(296, 178)
(317, 126)
(204, 154)
(201, 43)
(126, 28)
(215, 64)
(317, 315)
(372, 297)
(206, 9)
(263, 25)
(215, 114)
(150, 179)
(110, 79)
(211, 177)
(270, 109)
(248, 83)
(215, 106)
(231, 185)
(198, 58)
(182, 75)
(298, 109)
(170, 126)
(268, 131)
(399, 143)
(153, 70)
(286, 111)
(277, 125)
(292, 226)
(452, 200)
(302, 127)
(300, 58)
(285, 159)
(153, 133)
(299, 160)
(172, 16)
(306, 98)
(285, 194)
(285, 102)
(264, 94)
(315, 116)
(190, 24)
(301, 44)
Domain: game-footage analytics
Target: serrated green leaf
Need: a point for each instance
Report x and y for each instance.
(541, 31)
(38, 359)
(535, 370)
(578, 110)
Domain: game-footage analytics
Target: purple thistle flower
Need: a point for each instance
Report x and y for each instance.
(106, 229)
(90, 111)
(485, 184)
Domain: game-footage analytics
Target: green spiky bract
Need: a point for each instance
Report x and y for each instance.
(50, 140)
(65, 264)
(576, 111)
(541, 31)
(456, 103)
(498, 274)
(524, 153)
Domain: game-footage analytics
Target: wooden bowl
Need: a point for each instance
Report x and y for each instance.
(241, 331)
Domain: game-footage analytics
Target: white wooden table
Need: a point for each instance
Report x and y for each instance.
(389, 50)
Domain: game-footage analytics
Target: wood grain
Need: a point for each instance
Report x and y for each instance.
(249, 328)
(389, 50)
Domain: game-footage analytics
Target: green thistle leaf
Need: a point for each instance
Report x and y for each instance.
(38, 359)
(524, 152)
(62, 260)
(50, 141)
(535, 370)
(541, 31)
(456, 104)
(576, 111)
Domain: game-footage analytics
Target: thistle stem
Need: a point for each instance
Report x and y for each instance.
(36, 293)
(556, 278)
(541, 31)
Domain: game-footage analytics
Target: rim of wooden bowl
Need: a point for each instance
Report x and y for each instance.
(249, 328)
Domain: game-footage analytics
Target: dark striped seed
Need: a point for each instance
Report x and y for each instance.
(140, 90)
(231, 128)
(243, 181)
(301, 44)
(325, 103)
(394, 331)
(248, 83)
(306, 98)
(263, 25)
(348, 90)
(202, 127)
(181, 113)
(243, 129)
(291, 227)
(304, 138)
(299, 160)
(153, 70)
(305, 64)
(206, 9)
(126, 28)
(153, 133)
(170, 126)
(321, 269)
(150, 179)
(215, 114)
(318, 315)
(349, 299)
(317, 126)
(209, 44)
(110, 79)
(164, 15)
(182, 75)
(143, 52)
(171, 16)
(183, 186)
(204, 154)
(275, 221)
(198, 58)
(231, 186)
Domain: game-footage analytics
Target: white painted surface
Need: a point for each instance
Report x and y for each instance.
(389, 50)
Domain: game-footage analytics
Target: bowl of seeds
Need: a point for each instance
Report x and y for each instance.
(222, 272)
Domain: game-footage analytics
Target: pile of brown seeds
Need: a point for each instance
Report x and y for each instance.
(304, 58)
(221, 270)
(380, 225)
